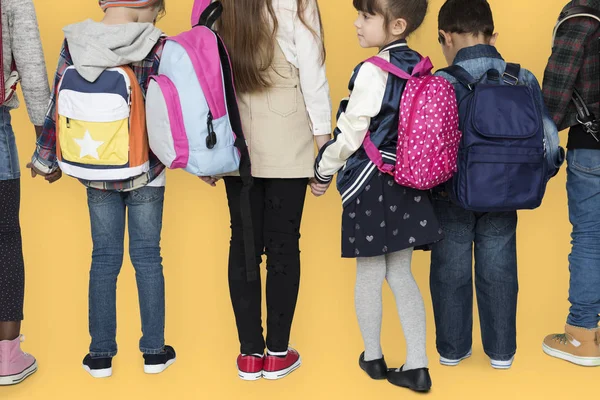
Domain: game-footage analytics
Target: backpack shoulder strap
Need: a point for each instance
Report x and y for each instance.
(511, 74)
(388, 67)
(461, 75)
(245, 169)
(575, 12)
(212, 13)
(423, 68)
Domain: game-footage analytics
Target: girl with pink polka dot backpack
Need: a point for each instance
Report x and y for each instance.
(396, 137)
(428, 135)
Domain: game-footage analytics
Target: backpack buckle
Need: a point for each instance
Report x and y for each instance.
(590, 126)
(507, 81)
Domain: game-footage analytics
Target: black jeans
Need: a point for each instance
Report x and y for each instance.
(12, 271)
(277, 206)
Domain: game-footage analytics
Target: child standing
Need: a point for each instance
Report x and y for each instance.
(574, 66)
(21, 42)
(126, 36)
(382, 222)
(467, 40)
(278, 60)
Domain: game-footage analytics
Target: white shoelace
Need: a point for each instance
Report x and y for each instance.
(21, 340)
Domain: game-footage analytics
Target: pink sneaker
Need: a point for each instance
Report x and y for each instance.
(15, 365)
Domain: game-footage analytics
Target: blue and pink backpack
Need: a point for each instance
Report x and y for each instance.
(193, 121)
(192, 113)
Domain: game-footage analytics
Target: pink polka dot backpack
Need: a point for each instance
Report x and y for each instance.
(428, 134)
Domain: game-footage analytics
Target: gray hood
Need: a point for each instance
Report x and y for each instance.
(95, 46)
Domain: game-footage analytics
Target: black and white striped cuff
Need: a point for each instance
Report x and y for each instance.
(322, 178)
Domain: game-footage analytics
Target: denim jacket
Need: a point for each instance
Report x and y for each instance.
(479, 59)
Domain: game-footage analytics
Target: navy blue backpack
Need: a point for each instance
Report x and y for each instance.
(501, 158)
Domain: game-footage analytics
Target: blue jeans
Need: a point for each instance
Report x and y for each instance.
(144, 208)
(9, 158)
(583, 190)
(492, 236)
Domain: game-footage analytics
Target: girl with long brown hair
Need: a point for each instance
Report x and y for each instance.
(278, 58)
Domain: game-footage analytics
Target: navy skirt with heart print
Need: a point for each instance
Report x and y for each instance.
(386, 218)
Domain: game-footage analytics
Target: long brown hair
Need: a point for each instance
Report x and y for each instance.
(248, 28)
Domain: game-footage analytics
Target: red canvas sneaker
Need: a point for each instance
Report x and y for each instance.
(277, 367)
(250, 368)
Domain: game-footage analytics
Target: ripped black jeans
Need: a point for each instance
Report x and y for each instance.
(277, 206)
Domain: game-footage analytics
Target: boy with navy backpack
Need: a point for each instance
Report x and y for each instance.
(508, 152)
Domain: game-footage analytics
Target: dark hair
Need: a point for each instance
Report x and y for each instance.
(467, 16)
(412, 11)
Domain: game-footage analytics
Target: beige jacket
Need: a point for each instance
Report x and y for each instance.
(277, 127)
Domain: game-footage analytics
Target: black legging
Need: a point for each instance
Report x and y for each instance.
(12, 271)
(277, 206)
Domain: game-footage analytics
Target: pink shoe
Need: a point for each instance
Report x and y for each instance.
(15, 365)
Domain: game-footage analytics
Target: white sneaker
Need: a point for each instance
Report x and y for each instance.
(502, 364)
(453, 363)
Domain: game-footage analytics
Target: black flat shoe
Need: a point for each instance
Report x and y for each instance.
(376, 369)
(414, 379)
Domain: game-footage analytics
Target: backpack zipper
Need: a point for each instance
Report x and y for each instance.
(211, 139)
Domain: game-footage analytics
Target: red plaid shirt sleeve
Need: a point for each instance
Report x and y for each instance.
(44, 158)
(565, 65)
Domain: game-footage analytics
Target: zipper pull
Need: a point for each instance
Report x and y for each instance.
(68, 122)
(211, 139)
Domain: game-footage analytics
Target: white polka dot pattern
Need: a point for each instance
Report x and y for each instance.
(428, 135)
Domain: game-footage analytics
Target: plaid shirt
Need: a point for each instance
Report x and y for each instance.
(574, 63)
(44, 159)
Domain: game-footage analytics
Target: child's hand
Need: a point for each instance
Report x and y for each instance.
(318, 189)
(54, 176)
(50, 178)
(34, 171)
(209, 180)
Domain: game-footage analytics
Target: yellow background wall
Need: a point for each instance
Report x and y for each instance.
(200, 322)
